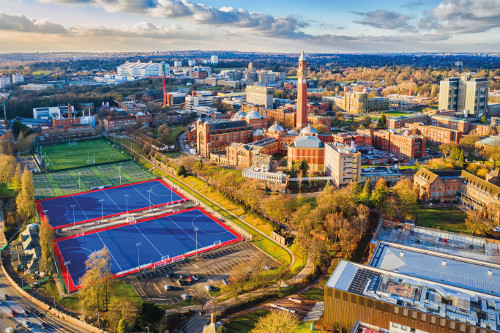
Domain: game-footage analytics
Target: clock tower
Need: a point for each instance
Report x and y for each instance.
(301, 118)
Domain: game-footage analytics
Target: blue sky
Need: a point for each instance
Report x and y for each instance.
(256, 25)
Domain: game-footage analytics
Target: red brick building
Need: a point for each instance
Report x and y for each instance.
(400, 143)
(436, 135)
(214, 136)
(401, 121)
(301, 120)
(283, 116)
(437, 185)
(309, 148)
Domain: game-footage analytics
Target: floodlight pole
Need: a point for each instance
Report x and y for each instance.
(138, 265)
(74, 221)
(126, 202)
(102, 209)
(196, 230)
(79, 180)
(149, 191)
(120, 171)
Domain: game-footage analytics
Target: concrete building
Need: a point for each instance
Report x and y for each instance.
(17, 78)
(355, 102)
(199, 99)
(302, 92)
(464, 95)
(52, 112)
(343, 163)
(4, 82)
(214, 59)
(260, 95)
(141, 69)
(407, 289)
(391, 175)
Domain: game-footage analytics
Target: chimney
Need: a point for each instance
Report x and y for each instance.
(69, 111)
(212, 318)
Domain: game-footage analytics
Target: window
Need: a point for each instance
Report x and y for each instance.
(423, 317)
(405, 312)
(414, 314)
(396, 309)
(404, 328)
(433, 320)
(442, 322)
(395, 325)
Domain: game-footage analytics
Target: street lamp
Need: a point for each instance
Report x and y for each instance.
(74, 220)
(126, 202)
(120, 171)
(138, 266)
(67, 263)
(78, 181)
(149, 191)
(102, 209)
(196, 230)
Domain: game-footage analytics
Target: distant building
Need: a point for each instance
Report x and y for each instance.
(464, 95)
(260, 95)
(17, 78)
(142, 69)
(343, 163)
(214, 135)
(52, 112)
(355, 102)
(214, 59)
(4, 82)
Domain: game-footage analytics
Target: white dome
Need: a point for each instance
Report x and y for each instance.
(292, 132)
(253, 115)
(238, 115)
(275, 128)
(308, 130)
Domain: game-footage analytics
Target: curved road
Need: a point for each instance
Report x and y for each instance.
(17, 302)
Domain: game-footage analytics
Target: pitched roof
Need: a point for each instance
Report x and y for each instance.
(225, 125)
(481, 184)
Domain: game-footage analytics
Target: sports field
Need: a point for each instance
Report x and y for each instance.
(93, 205)
(83, 153)
(147, 243)
(66, 181)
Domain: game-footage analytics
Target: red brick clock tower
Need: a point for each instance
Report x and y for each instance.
(302, 92)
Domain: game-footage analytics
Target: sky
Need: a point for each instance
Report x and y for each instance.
(250, 25)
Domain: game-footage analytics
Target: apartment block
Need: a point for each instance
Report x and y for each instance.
(400, 142)
(260, 95)
(343, 163)
(464, 94)
(436, 135)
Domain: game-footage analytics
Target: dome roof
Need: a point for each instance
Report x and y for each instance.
(292, 132)
(238, 115)
(308, 130)
(253, 115)
(276, 128)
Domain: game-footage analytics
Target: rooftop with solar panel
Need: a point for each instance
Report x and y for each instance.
(447, 286)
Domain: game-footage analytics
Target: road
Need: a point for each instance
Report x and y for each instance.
(17, 303)
(182, 142)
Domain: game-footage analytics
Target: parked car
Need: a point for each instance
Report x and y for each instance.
(185, 296)
(194, 277)
(208, 287)
(26, 324)
(497, 229)
(13, 313)
(225, 281)
(42, 325)
(179, 282)
(267, 267)
(167, 287)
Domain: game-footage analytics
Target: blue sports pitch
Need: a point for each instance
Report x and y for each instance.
(89, 206)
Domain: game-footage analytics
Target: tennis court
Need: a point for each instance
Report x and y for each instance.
(78, 154)
(89, 206)
(143, 244)
(66, 181)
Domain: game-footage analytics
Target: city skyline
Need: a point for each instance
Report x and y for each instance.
(277, 26)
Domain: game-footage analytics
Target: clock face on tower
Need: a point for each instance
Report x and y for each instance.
(303, 80)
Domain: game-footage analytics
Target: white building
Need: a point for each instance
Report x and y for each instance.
(191, 62)
(142, 69)
(214, 59)
(342, 163)
(17, 78)
(4, 81)
(203, 100)
(51, 112)
(260, 95)
(177, 63)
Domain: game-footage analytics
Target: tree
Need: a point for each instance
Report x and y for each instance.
(403, 202)
(181, 170)
(96, 283)
(25, 199)
(468, 143)
(382, 121)
(7, 168)
(365, 194)
(17, 177)
(478, 222)
(380, 193)
(123, 326)
(276, 322)
(149, 315)
(484, 120)
(46, 235)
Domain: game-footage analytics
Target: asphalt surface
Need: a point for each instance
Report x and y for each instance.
(17, 303)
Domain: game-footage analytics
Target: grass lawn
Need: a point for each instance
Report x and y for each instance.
(304, 327)
(246, 322)
(174, 131)
(396, 113)
(314, 294)
(445, 218)
(7, 191)
(66, 156)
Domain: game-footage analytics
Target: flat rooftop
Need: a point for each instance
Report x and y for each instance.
(436, 298)
(465, 273)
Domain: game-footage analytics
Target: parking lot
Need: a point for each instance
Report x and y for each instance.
(209, 268)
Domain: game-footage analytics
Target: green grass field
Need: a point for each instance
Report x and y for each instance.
(66, 181)
(445, 218)
(396, 113)
(246, 322)
(66, 156)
